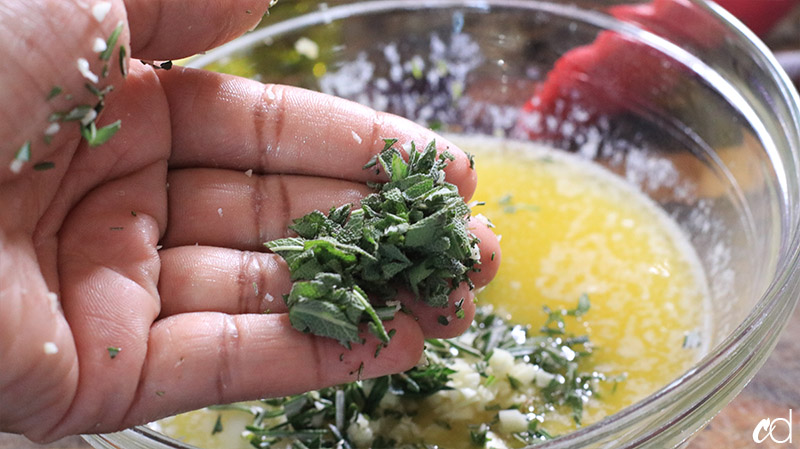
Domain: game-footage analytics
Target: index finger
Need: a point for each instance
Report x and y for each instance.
(223, 121)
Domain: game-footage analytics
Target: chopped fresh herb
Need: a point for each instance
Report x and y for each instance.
(460, 314)
(100, 94)
(54, 92)
(133, 213)
(478, 435)
(116, 228)
(471, 158)
(160, 393)
(75, 114)
(24, 152)
(217, 425)
(322, 419)
(44, 166)
(411, 233)
(96, 137)
(113, 351)
(105, 55)
(166, 65)
(441, 319)
(255, 288)
(123, 62)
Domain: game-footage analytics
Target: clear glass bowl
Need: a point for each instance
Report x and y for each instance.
(685, 103)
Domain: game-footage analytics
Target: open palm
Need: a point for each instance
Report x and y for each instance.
(133, 281)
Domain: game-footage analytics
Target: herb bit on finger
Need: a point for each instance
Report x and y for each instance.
(411, 233)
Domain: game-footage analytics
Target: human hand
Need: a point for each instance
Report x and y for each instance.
(133, 282)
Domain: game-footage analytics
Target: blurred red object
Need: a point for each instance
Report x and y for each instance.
(615, 73)
(759, 15)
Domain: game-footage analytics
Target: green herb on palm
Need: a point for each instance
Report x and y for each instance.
(411, 233)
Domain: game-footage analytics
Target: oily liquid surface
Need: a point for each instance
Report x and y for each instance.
(568, 228)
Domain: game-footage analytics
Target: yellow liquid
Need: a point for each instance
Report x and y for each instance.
(568, 228)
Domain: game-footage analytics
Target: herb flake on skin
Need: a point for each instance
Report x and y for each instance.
(105, 55)
(54, 92)
(411, 233)
(96, 137)
(44, 166)
(113, 351)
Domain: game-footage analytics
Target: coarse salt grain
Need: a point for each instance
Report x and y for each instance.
(52, 129)
(83, 67)
(219, 211)
(89, 117)
(16, 165)
(249, 173)
(99, 45)
(356, 137)
(50, 348)
(100, 10)
(52, 299)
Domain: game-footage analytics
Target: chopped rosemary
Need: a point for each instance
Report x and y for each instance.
(324, 418)
(44, 166)
(123, 62)
(105, 55)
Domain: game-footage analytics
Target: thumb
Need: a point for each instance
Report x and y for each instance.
(172, 29)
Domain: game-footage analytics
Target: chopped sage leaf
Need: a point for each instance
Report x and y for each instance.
(410, 233)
